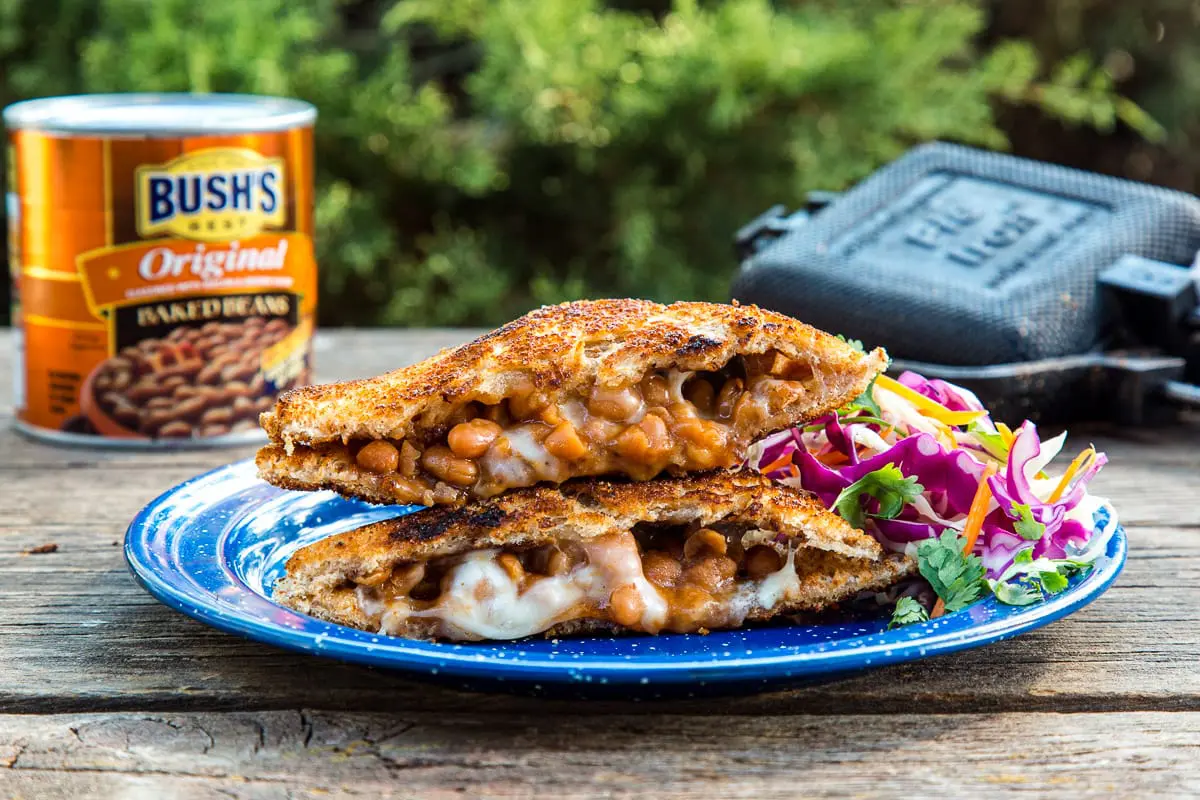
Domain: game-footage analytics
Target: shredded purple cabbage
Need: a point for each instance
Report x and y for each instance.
(950, 479)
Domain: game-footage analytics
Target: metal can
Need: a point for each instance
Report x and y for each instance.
(161, 254)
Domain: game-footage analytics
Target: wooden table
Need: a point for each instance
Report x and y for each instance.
(104, 692)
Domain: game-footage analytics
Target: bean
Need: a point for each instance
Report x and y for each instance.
(761, 561)
(626, 605)
(704, 539)
(143, 390)
(646, 442)
(189, 407)
(699, 458)
(439, 461)
(619, 403)
(379, 457)
(410, 490)
(171, 382)
(210, 374)
(238, 390)
(472, 439)
(220, 415)
(214, 430)
(175, 430)
(238, 372)
(703, 433)
(564, 442)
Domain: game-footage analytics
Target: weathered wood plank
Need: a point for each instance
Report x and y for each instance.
(307, 753)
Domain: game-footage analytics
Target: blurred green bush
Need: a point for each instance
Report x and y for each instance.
(479, 157)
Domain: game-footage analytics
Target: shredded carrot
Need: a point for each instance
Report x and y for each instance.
(979, 507)
(1006, 434)
(1065, 481)
(794, 470)
(833, 458)
(926, 406)
(778, 463)
(939, 608)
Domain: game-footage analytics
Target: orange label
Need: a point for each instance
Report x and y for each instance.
(166, 288)
(144, 272)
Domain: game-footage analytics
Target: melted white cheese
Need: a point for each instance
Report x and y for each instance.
(618, 561)
(781, 585)
(481, 601)
(523, 443)
(676, 378)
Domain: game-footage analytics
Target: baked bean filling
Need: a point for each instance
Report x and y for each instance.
(674, 578)
(669, 420)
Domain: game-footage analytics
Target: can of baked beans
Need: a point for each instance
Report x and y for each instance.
(161, 254)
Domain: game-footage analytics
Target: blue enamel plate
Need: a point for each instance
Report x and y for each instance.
(214, 546)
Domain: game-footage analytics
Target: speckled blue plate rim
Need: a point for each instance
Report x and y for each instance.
(269, 623)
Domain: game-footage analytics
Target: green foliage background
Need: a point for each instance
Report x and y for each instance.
(479, 157)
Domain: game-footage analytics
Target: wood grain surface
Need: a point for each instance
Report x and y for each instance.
(104, 692)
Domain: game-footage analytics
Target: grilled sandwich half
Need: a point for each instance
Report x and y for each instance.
(607, 387)
(701, 552)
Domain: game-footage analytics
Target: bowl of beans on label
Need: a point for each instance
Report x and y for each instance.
(199, 381)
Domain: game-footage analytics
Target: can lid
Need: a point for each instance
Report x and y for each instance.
(153, 115)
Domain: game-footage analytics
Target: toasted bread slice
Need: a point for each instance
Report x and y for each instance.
(705, 551)
(605, 387)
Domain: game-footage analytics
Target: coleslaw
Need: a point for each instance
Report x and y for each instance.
(913, 460)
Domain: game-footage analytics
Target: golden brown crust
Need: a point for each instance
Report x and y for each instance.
(558, 350)
(835, 560)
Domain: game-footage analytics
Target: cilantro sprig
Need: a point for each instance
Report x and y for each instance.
(957, 578)
(1026, 526)
(887, 485)
(908, 612)
(864, 402)
(1029, 581)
